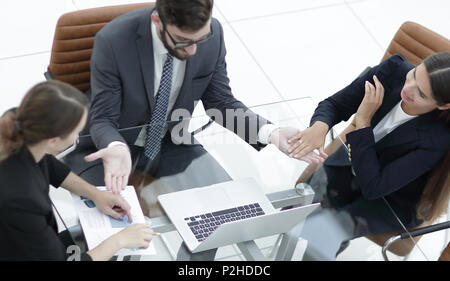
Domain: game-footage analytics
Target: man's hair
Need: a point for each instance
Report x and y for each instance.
(189, 15)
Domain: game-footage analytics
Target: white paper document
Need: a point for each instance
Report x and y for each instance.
(98, 226)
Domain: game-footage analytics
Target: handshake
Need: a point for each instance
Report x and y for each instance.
(301, 144)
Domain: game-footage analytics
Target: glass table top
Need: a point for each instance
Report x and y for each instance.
(202, 152)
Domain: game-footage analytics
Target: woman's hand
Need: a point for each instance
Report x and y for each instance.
(308, 140)
(112, 204)
(371, 102)
(135, 236)
(132, 237)
(280, 136)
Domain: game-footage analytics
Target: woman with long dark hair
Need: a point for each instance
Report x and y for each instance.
(395, 153)
(48, 120)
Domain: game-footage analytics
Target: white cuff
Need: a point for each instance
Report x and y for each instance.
(117, 143)
(265, 132)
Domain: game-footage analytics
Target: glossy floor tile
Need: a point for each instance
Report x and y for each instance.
(248, 80)
(382, 18)
(244, 9)
(27, 26)
(18, 75)
(304, 61)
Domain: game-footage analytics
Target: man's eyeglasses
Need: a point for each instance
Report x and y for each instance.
(184, 44)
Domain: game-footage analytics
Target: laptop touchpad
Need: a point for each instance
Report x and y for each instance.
(214, 199)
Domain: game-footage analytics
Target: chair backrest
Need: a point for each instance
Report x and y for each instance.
(74, 39)
(416, 42)
(445, 255)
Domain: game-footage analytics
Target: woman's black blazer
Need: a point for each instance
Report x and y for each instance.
(396, 167)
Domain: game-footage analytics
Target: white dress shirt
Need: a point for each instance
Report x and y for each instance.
(179, 68)
(391, 121)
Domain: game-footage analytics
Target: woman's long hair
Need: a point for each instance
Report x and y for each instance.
(435, 197)
(49, 109)
(436, 194)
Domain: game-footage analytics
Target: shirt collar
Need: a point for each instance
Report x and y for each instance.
(158, 46)
(401, 114)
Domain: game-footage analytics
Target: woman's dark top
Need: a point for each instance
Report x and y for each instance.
(28, 229)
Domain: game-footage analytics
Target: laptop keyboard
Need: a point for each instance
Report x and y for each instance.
(203, 225)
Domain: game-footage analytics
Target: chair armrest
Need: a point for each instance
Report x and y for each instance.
(68, 150)
(425, 230)
(364, 72)
(302, 195)
(48, 75)
(414, 233)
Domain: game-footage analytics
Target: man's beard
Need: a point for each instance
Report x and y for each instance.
(171, 51)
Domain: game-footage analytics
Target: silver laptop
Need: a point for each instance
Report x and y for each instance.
(227, 213)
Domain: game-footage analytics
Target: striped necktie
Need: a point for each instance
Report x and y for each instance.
(157, 122)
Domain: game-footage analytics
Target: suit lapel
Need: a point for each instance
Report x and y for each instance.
(405, 133)
(408, 132)
(144, 45)
(183, 96)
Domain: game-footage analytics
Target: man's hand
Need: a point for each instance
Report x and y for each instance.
(280, 137)
(117, 164)
(112, 204)
(304, 142)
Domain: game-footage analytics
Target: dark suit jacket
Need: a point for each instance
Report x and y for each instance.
(122, 74)
(396, 167)
(28, 229)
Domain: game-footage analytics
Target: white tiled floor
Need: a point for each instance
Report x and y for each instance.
(18, 75)
(242, 10)
(277, 50)
(305, 61)
(28, 26)
(382, 18)
(246, 72)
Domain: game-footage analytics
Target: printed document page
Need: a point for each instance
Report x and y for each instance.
(98, 226)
